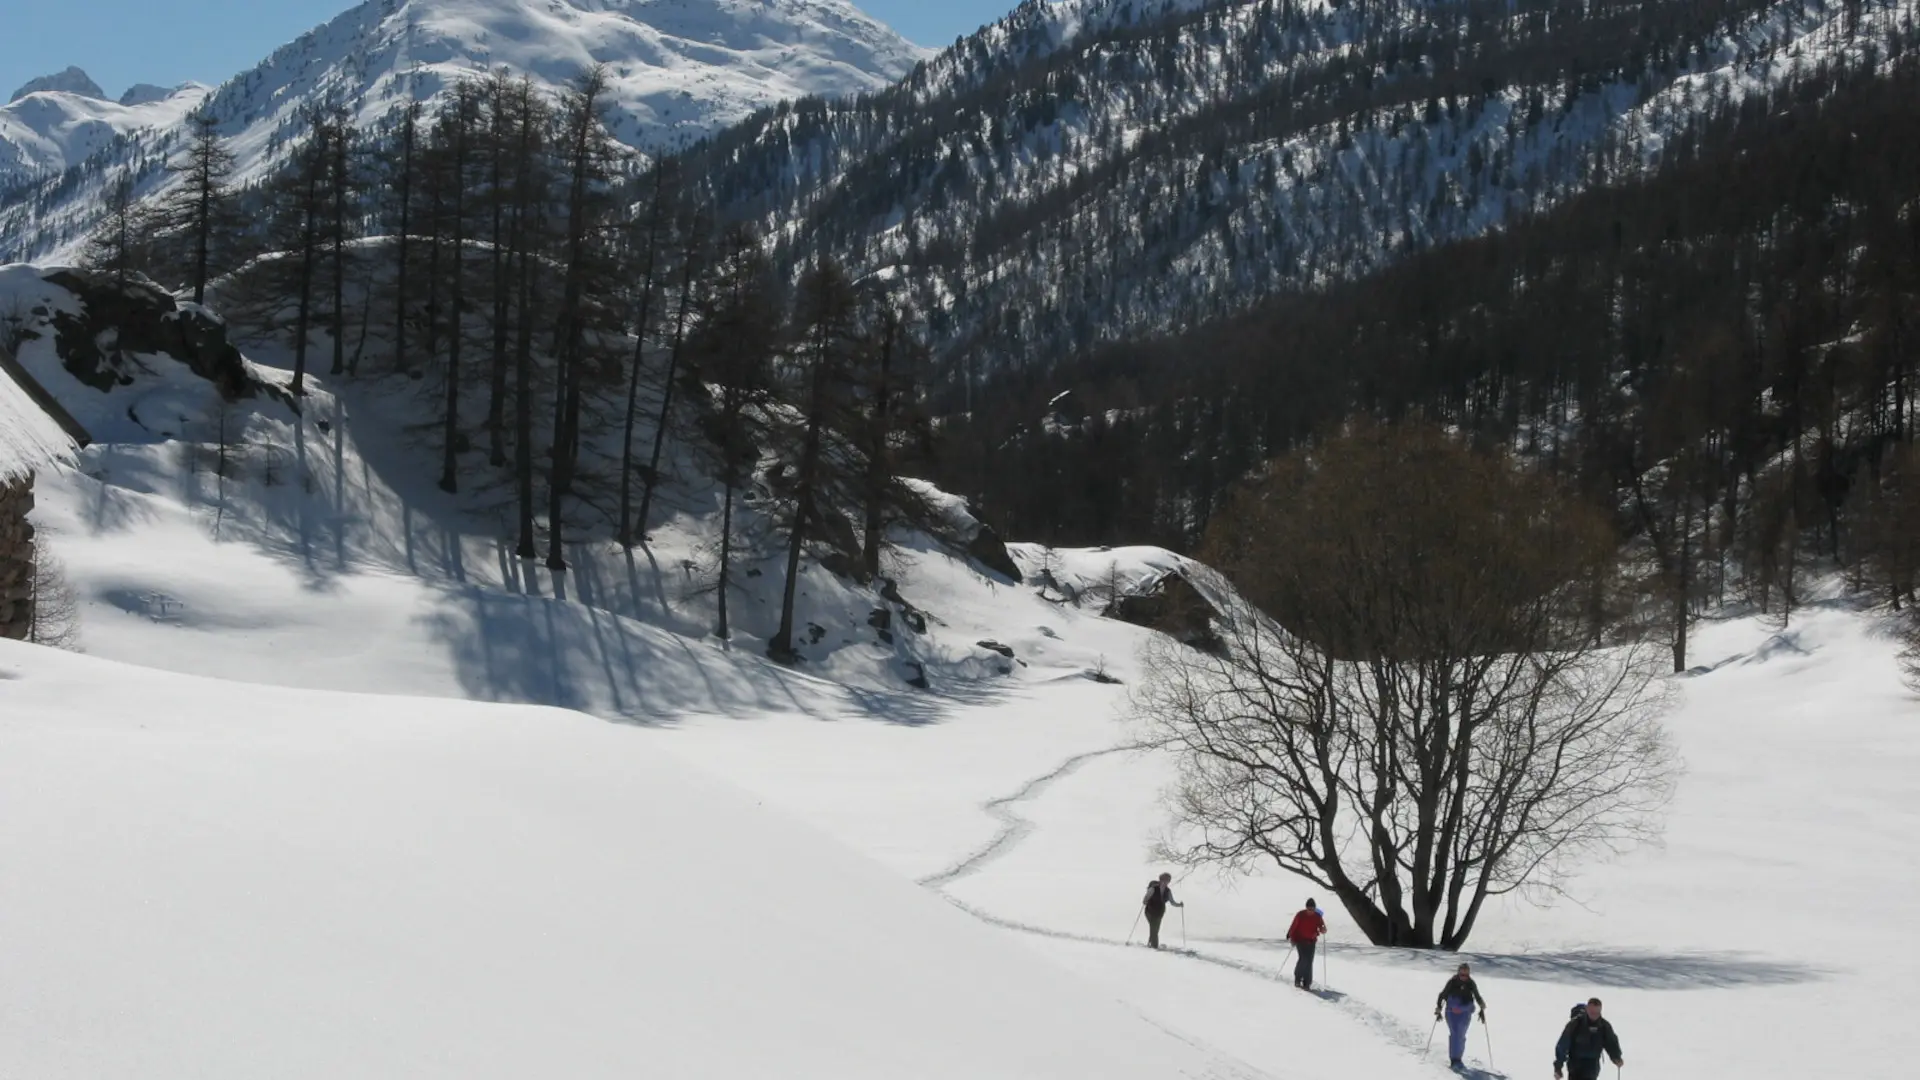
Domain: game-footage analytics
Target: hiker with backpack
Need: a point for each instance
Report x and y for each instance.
(1585, 1038)
(1309, 926)
(1457, 1001)
(1159, 896)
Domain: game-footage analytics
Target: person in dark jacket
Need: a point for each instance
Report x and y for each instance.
(1457, 1001)
(1309, 926)
(1585, 1038)
(1159, 896)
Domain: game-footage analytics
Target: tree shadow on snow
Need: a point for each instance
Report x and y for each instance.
(524, 648)
(1623, 968)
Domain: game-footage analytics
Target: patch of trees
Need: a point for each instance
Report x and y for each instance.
(577, 327)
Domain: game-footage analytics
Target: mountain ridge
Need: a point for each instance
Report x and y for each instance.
(679, 70)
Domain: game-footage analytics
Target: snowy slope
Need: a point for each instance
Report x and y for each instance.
(680, 69)
(218, 881)
(1014, 788)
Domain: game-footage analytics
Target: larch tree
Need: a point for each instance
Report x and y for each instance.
(588, 153)
(732, 351)
(196, 208)
(455, 136)
(825, 331)
(652, 227)
(693, 235)
(529, 173)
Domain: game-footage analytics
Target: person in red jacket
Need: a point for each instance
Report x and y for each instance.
(1309, 926)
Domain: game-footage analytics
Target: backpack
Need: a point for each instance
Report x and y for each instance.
(1154, 895)
(1579, 1011)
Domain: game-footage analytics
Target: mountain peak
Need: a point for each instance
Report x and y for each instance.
(71, 81)
(146, 94)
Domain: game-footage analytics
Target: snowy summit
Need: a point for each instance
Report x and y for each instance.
(71, 81)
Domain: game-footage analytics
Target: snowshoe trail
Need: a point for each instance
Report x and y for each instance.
(1016, 829)
(1013, 827)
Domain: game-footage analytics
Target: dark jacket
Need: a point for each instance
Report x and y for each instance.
(1584, 1040)
(1461, 990)
(1158, 897)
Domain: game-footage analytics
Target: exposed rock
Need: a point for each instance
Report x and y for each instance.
(987, 549)
(16, 560)
(144, 94)
(70, 81)
(915, 619)
(994, 646)
(1171, 605)
(128, 317)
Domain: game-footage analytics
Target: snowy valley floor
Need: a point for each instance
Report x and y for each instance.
(261, 882)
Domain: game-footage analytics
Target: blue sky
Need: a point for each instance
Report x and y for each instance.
(167, 42)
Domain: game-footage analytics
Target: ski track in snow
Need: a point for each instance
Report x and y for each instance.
(1013, 828)
(1014, 831)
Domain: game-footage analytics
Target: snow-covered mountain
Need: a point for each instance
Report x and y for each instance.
(680, 69)
(71, 81)
(59, 121)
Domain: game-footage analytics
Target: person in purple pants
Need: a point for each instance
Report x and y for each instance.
(1457, 1001)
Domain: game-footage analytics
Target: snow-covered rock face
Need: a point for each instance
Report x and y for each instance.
(71, 81)
(680, 70)
(146, 94)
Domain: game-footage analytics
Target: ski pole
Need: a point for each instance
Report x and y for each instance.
(1430, 1031)
(1183, 926)
(1488, 1032)
(1136, 925)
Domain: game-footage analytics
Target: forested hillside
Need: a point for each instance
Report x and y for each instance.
(1725, 353)
(1092, 172)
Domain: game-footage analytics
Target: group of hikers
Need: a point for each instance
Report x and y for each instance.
(1585, 1041)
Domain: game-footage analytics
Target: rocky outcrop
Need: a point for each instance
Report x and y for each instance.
(126, 317)
(1174, 607)
(16, 560)
(987, 549)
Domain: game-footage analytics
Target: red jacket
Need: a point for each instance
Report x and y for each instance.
(1307, 926)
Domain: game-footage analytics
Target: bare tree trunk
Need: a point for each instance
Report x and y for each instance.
(722, 629)
(878, 451)
(456, 329)
(641, 324)
(666, 392)
(338, 181)
(408, 134)
(309, 214)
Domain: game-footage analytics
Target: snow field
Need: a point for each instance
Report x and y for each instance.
(265, 880)
(210, 879)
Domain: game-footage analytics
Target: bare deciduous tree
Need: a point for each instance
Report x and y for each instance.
(56, 610)
(1406, 707)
